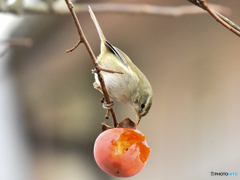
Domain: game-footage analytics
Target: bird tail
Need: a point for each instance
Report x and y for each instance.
(100, 33)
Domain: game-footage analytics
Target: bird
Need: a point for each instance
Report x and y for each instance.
(132, 87)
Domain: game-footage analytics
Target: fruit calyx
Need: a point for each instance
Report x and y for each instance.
(126, 123)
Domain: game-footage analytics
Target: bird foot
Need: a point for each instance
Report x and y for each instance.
(107, 106)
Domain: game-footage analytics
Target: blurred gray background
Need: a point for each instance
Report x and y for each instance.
(50, 114)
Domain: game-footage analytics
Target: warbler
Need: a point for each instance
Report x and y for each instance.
(131, 87)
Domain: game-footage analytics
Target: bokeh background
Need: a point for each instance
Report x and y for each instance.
(50, 114)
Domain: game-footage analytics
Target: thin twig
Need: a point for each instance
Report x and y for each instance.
(106, 70)
(27, 42)
(148, 9)
(94, 60)
(57, 7)
(107, 114)
(70, 50)
(219, 17)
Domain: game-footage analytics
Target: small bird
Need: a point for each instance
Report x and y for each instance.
(131, 87)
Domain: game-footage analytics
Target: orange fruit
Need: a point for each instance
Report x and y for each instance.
(121, 152)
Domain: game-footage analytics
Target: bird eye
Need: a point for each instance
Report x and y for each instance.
(142, 106)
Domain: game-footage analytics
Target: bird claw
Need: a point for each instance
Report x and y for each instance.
(108, 106)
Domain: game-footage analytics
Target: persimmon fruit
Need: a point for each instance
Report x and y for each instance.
(121, 152)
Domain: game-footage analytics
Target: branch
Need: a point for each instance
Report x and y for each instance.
(15, 42)
(98, 69)
(219, 17)
(57, 7)
(146, 9)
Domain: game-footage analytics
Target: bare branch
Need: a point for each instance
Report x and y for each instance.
(147, 9)
(219, 17)
(15, 42)
(57, 7)
(99, 68)
(70, 50)
(18, 42)
(83, 39)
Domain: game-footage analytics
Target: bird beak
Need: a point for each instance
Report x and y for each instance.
(138, 119)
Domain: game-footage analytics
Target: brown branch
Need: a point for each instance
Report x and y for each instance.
(70, 50)
(147, 9)
(56, 7)
(15, 42)
(94, 60)
(219, 17)
(106, 70)
(27, 42)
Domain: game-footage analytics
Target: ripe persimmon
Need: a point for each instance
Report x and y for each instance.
(121, 152)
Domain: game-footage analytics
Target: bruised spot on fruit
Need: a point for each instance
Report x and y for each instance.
(126, 140)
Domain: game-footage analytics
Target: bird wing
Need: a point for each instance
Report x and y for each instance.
(118, 53)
